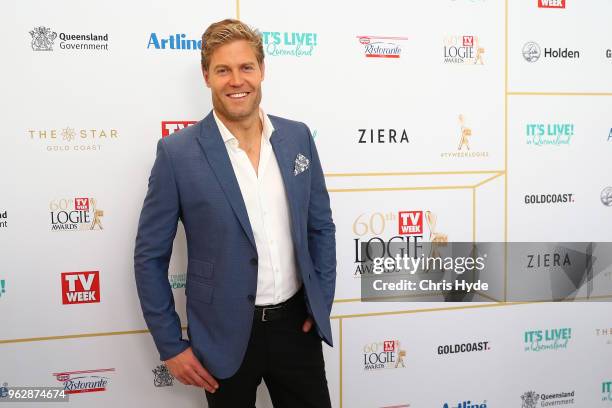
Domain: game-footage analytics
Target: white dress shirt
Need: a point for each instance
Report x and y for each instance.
(268, 209)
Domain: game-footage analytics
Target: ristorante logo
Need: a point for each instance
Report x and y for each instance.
(548, 339)
(556, 198)
(463, 49)
(463, 149)
(289, 44)
(71, 139)
(378, 234)
(178, 41)
(382, 355)
(171, 126)
(43, 39)
(381, 47)
(557, 4)
(76, 382)
(380, 136)
(466, 404)
(531, 398)
(75, 214)
(80, 287)
(464, 347)
(549, 134)
(532, 52)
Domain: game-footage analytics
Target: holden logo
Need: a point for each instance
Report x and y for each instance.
(531, 52)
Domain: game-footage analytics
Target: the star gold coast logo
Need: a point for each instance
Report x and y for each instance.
(464, 149)
(69, 139)
(75, 214)
(380, 234)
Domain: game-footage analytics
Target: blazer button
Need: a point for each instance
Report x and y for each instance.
(253, 261)
(251, 298)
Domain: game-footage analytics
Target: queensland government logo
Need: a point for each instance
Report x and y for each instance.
(69, 139)
(466, 404)
(549, 134)
(43, 39)
(464, 150)
(463, 49)
(75, 214)
(377, 234)
(606, 196)
(171, 126)
(531, 399)
(76, 382)
(532, 52)
(289, 44)
(3, 219)
(554, 4)
(177, 41)
(162, 376)
(80, 287)
(548, 339)
(383, 355)
(380, 136)
(381, 47)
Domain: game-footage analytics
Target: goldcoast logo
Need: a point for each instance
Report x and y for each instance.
(289, 44)
(75, 214)
(382, 355)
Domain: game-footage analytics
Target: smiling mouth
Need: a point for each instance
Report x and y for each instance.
(238, 95)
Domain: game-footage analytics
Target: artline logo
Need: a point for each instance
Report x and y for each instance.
(532, 52)
(289, 44)
(162, 376)
(372, 136)
(531, 399)
(379, 230)
(177, 281)
(80, 287)
(178, 41)
(73, 139)
(3, 219)
(76, 382)
(463, 49)
(548, 339)
(463, 149)
(381, 47)
(464, 347)
(466, 404)
(75, 214)
(171, 126)
(43, 39)
(606, 391)
(549, 198)
(549, 134)
(383, 355)
(606, 196)
(557, 4)
(2, 287)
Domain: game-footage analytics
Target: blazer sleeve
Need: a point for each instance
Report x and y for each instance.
(321, 228)
(156, 232)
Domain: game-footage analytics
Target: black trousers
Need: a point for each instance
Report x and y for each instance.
(287, 359)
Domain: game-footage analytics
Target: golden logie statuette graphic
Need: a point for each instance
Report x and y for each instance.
(466, 132)
(97, 215)
(437, 239)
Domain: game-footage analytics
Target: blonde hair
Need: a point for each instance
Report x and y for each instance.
(226, 31)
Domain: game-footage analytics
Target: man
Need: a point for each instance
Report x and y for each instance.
(261, 272)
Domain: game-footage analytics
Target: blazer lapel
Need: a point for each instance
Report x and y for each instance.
(286, 164)
(214, 149)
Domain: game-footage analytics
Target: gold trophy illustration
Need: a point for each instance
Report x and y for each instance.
(400, 357)
(437, 239)
(479, 52)
(466, 132)
(97, 214)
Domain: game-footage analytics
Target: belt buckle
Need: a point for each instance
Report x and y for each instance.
(263, 312)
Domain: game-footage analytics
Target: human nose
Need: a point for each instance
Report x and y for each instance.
(236, 79)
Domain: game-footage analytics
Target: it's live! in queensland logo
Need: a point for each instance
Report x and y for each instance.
(80, 287)
(75, 214)
(289, 43)
(375, 46)
(606, 391)
(547, 339)
(383, 355)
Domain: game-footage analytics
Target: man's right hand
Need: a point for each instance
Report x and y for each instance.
(188, 370)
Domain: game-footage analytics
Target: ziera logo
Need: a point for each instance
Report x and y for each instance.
(382, 136)
(80, 287)
(381, 47)
(171, 126)
(551, 4)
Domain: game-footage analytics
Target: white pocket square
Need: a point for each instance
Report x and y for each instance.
(301, 164)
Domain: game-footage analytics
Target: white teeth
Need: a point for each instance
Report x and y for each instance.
(238, 95)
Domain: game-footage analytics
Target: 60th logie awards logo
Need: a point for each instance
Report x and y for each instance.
(75, 214)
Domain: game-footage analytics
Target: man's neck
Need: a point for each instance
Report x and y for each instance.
(247, 130)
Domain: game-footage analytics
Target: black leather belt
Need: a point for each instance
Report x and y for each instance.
(295, 304)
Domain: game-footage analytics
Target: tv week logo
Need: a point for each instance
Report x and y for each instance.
(551, 4)
(80, 287)
(410, 222)
(171, 126)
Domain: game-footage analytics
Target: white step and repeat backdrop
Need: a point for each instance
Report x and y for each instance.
(462, 108)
